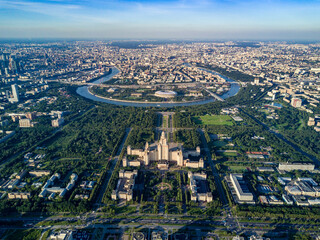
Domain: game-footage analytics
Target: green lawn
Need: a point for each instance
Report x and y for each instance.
(214, 120)
(228, 154)
(302, 124)
(23, 234)
(219, 143)
(147, 208)
(164, 121)
(237, 168)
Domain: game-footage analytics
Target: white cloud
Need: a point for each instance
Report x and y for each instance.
(54, 9)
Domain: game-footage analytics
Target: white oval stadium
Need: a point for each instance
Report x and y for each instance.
(165, 94)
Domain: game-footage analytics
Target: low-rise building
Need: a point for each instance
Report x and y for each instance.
(19, 195)
(25, 123)
(265, 169)
(273, 200)
(81, 196)
(300, 200)
(287, 199)
(21, 174)
(125, 185)
(134, 163)
(138, 236)
(61, 235)
(88, 185)
(199, 187)
(46, 189)
(314, 201)
(284, 180)
(159, 235)
(303, 188)
(57, 122)
(241, 187)
(296, 166)
(39, 173)
(311, 122)
(194, 164)
(12, 183)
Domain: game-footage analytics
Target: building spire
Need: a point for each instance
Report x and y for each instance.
(163, 135)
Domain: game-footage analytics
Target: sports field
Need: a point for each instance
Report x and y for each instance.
(228, 154)
(214, 120)
(238, 168)
(219, 143)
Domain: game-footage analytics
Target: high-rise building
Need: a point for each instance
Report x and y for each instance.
(15, 93)
(8, 95)
(13, 65)
(296, 102)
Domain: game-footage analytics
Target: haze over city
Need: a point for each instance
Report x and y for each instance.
(161, 19)
(159, 119)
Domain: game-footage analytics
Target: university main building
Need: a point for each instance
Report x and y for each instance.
(163, 153)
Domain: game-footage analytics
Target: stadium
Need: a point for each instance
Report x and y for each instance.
(165, 94)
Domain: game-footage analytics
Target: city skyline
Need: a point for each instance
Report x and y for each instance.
(159, 140)
(182, 19)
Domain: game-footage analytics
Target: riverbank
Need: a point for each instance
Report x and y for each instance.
(85, 92)
(100, 77)
(141, 102)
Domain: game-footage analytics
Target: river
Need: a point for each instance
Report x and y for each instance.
(234, 89)
(84, 92)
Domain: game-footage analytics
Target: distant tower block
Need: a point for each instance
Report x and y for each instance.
(198, 150)
(124, 162)
(15, 93)
(129, 152)
(201, 163)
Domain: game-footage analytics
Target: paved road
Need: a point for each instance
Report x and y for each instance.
(172, 219)
(230, 219)
(214, 95)
(205, 226)
(214, 170)
(169, 129)
(111, 168)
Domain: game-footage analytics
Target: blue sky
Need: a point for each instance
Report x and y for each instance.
(177, 19)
